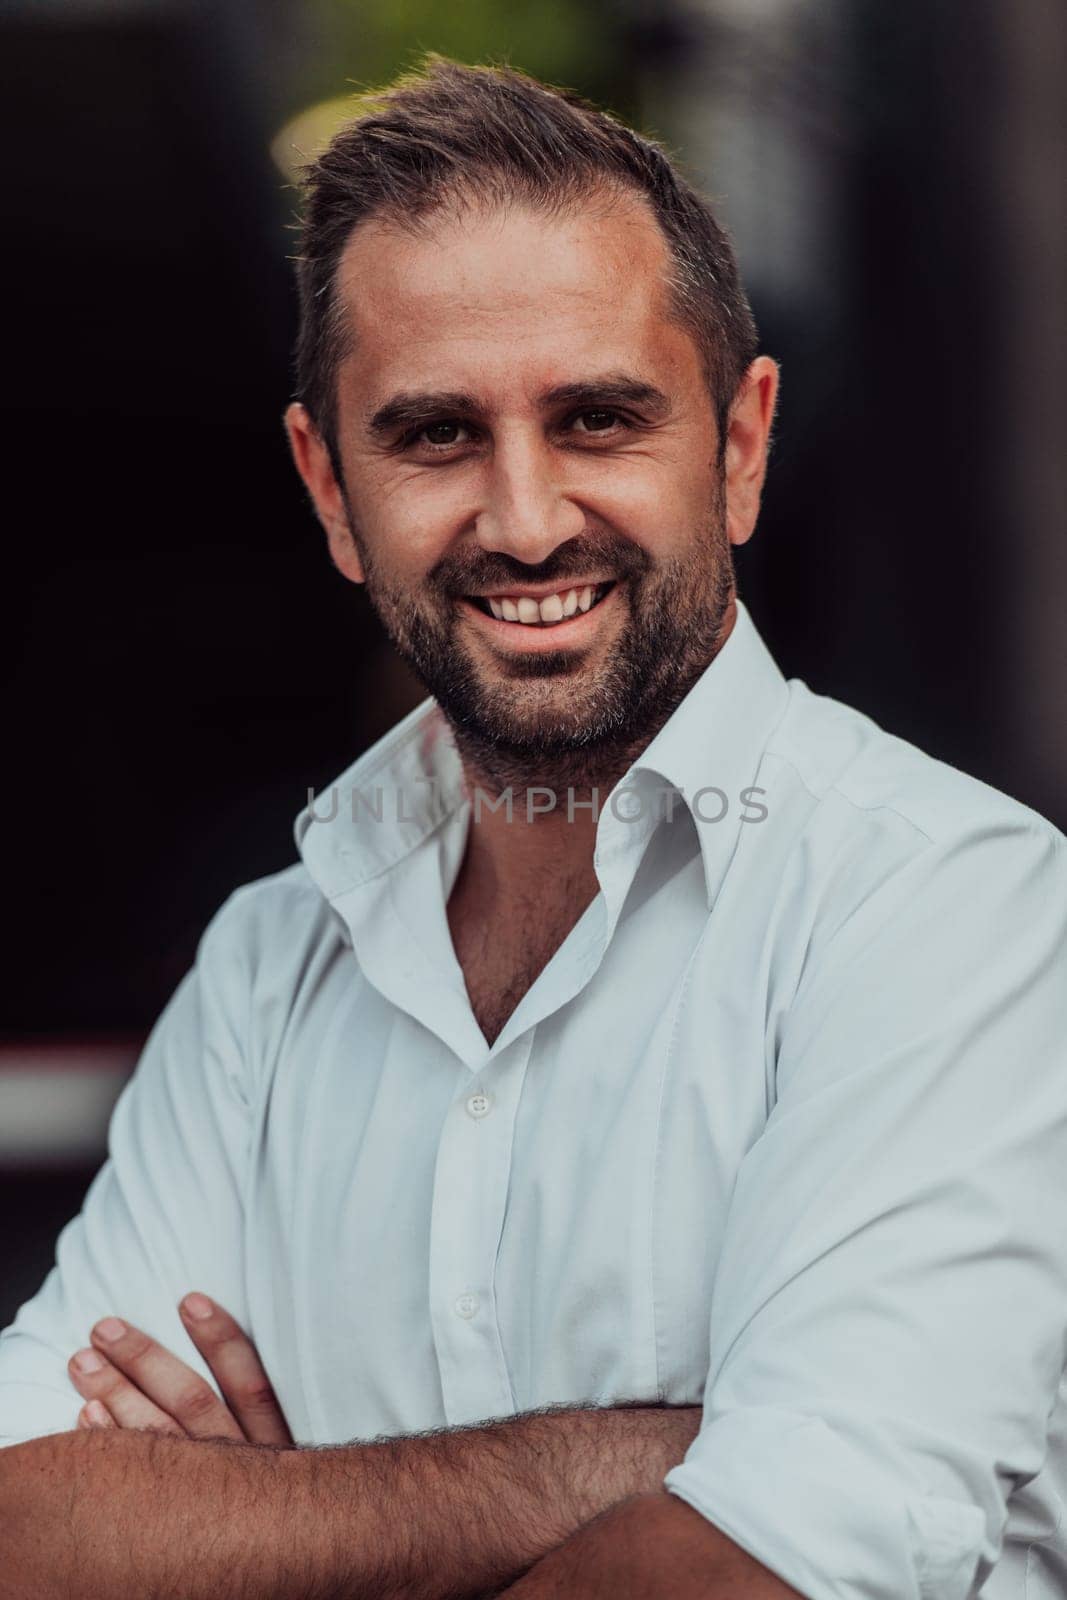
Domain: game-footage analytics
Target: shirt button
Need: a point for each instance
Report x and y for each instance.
(479, 1105)
(466, 1306)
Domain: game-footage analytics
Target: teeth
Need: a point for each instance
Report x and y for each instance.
(553, 608)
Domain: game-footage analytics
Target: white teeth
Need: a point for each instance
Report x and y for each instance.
(553, 608)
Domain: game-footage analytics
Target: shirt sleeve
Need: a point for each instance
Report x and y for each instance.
(888, 1330)
(165, 1212)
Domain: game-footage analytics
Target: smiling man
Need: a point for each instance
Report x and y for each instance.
(546, 538)
(627, 1152)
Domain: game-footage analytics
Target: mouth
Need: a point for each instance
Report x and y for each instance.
(521, 613)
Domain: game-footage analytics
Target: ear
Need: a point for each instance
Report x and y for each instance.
(747, 439)
(313, 463)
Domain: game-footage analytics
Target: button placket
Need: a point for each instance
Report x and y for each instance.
(470, 1193)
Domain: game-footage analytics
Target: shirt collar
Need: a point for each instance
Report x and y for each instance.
(410, 782)
(709, 751)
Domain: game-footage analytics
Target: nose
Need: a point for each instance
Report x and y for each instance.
(526, 511)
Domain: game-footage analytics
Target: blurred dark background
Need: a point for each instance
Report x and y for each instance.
(181, 660)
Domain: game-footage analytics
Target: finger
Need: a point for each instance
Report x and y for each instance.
(96, 1379)
(173, 1388)
(240, 1375)
(94, 1414)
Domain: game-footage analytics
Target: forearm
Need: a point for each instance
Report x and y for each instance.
(648, 1546)
(457, 1513)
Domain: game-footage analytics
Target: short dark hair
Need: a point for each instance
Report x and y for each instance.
(451, 134)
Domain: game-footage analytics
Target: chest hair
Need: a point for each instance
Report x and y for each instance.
(501, 958)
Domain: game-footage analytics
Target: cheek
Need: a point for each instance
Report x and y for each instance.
(654, 508)
(658, 501)
(408, 524)
(686, 501)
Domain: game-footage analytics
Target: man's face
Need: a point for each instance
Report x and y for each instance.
(520, 418)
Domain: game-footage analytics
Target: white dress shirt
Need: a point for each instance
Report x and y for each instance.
(781, 1127)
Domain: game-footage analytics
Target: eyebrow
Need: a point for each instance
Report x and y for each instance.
(408, 409)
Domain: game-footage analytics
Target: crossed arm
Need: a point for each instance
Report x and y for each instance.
(187, 1496)
(865, 1419)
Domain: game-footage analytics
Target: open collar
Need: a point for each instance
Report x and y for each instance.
(395, 795)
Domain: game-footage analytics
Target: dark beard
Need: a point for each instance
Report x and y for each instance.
(589, 738)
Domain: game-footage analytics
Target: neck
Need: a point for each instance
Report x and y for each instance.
(542, 833)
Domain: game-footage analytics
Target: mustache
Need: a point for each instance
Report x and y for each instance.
(457, 578)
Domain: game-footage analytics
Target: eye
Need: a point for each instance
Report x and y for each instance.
(600, 421)
(603, 421)
(439, 435)
(448, 434)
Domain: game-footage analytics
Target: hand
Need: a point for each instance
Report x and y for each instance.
(136, 1383)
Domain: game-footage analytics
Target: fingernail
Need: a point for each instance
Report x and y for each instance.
(88, 1361)
(96, 1413)
(110, 1329)
(197, 1306)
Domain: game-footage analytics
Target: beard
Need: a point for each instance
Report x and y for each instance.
(554, 718)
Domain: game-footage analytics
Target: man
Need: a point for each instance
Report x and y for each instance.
(626, 1153)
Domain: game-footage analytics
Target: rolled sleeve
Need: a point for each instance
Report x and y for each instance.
(888, 1330)
(165, 1212)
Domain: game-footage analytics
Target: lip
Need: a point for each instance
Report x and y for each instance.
(527, 637)
(534, 591)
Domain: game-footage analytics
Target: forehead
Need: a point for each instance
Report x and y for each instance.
(496, 297)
